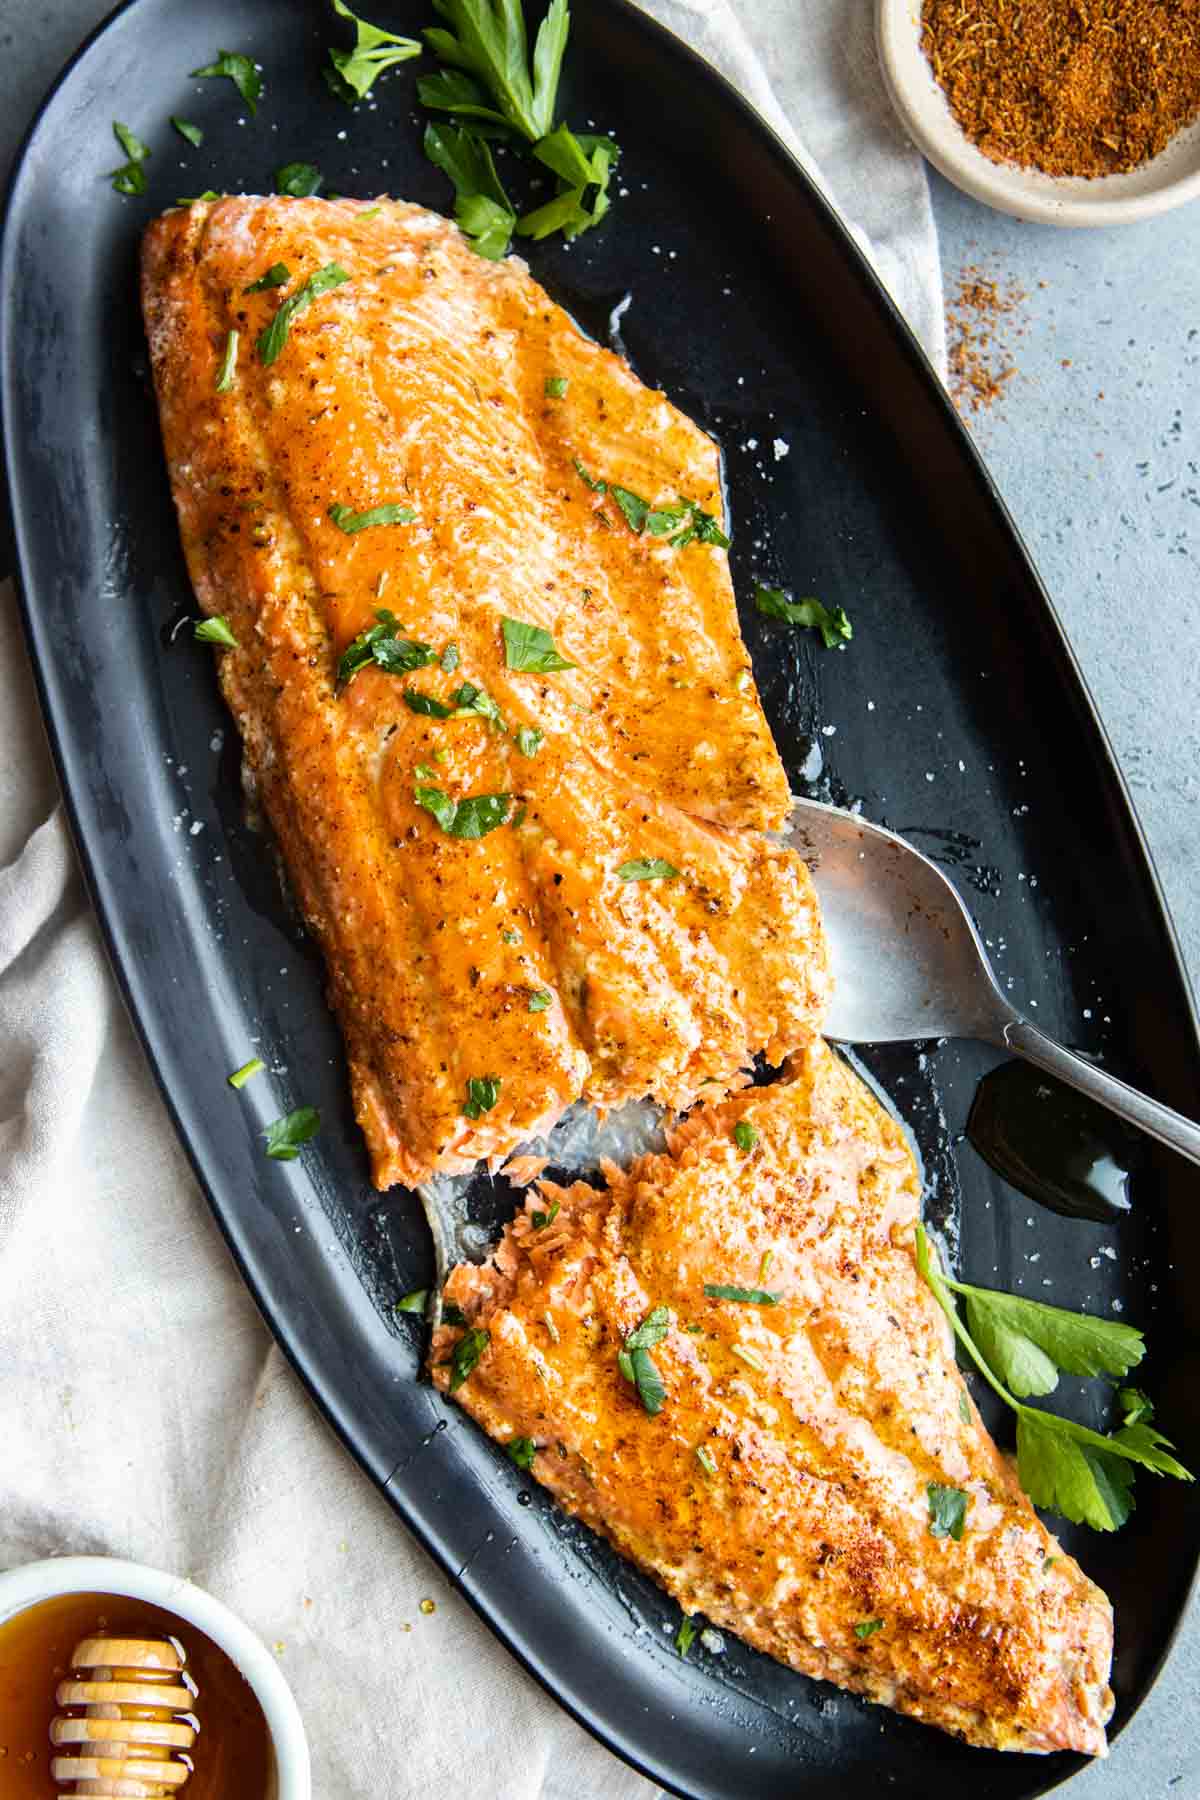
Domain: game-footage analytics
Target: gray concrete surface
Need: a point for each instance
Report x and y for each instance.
(1095, 444)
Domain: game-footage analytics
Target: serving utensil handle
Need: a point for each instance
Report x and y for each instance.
(1150, 1116)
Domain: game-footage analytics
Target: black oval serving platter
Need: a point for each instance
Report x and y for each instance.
(957, 715)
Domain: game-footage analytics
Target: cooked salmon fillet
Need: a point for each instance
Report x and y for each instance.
(783, 1488)
(510, 455)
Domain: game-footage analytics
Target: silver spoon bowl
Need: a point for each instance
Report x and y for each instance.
(909, 963)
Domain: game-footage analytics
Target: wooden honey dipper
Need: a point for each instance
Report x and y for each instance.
(129, 1725)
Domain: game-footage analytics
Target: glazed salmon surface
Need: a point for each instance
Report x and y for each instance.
(783, 1488)
(438, 382)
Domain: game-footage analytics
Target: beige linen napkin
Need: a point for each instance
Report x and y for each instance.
(144, 1411)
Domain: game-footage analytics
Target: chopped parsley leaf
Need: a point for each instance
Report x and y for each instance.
(685, 1637)
(716, 1290)
(483, 1091)
(597, 487)
(482, 209)
(681, 523)
(298, 179)
(539, 1000)
(450, 658)
(745, 1137)
(241, 1076)
(414, 1302)
(530, 648)
(556, 386)
(521, 1450)
(216, 631)
(705, 1458)
(278, 275)
(466, 1353)
(432, 709)
(833, 625)
(349, 521)
(352, 73)
(130, 143)
(381, 645)
(647, 868)
(130, 178)
(285, 1136)
(473, 817)
(187, 130)
(228, 366)
(947, 1511)
(540, 1220)
(474, 702)
(273, 337)
(530, 740)
(868, 1627)
(240, 70)
(452, 1314)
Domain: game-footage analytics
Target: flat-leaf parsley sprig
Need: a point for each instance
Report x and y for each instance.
(494, 89)
(1019, 1346)
(351, 74)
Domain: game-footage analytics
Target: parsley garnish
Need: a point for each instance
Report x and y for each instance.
(521, 1450)
(196, 199)
(685, 1637)
(187, 130)
(705, 1458)
(540, 1220)
(415, 1302)
(351, 73)
(637, 1365)
(1065, 1467)
(745, 1137)
(278, 275)
(473, 817)
(216, 631)
(474, 702)
(530, 648)
(466, 1353)
(1135, 1406)
(647, 868)
(275, 336)
(681, 523)
(380, 644)
(530, 740)
(834, 627)
(452, 1314)
(349, 521)
(241, 1076)
(868, 1627)
(228, 366)
(299, 179)
(483, 1091)
(947, 1511)
(490, 77)
(481, 207)
(241, 71)
(285, 1136)
(539, 1000)
(716, 1290)
(449, 658)
(431, 708)
(130, 178)
(493, 86)
(556, 386)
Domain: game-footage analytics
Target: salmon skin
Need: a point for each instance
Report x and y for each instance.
(782, 1486)
(404, 438)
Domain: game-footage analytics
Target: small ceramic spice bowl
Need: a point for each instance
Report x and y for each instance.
(1168, 180)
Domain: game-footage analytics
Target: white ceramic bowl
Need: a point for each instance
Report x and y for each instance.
(25, 1587)
(1170, 179)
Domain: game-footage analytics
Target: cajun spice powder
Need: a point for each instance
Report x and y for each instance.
(1072, 87)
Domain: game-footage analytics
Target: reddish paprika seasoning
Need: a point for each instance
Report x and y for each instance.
(1072, 87)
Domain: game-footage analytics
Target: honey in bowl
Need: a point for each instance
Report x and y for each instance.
(232, 1755)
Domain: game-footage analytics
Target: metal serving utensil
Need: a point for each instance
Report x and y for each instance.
(909, 963)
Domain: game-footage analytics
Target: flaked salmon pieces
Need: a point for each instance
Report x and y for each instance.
(476, 833)
(784, 1466)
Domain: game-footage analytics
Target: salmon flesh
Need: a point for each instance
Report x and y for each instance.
(781, 1484)
(420, 444)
